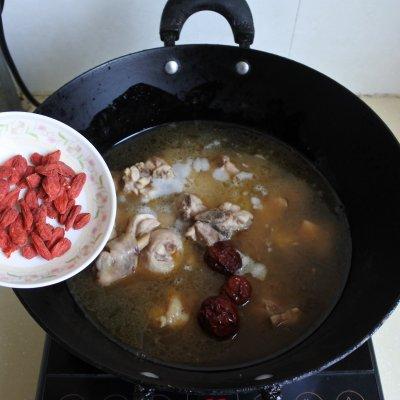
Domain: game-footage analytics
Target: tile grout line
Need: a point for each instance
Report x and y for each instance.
(294, 27)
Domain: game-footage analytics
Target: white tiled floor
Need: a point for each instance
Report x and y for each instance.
(21, 340)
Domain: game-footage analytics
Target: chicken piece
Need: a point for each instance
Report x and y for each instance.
(172, 314)
(229, 166)
(219, 224)
(158, 255)
(204, 234)
(175, 315)
(120, 258)
(190, 206)
(138, 177)
(288, 318)
(226, 170)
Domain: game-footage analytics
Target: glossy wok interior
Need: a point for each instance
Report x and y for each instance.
(338, 133)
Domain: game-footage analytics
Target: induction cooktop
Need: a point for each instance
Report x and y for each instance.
(66, 377)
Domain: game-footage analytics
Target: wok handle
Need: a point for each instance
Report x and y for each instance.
(236, 12)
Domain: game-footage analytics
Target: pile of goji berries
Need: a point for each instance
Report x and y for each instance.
(29, 194)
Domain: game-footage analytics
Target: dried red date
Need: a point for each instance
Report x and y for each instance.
(238, 289)
(219, 317)
(223, 257)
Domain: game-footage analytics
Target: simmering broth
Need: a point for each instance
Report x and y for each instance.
(299, 233)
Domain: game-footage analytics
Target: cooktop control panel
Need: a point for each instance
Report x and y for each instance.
(64, 377)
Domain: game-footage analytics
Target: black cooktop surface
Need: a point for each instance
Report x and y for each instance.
(66, 377)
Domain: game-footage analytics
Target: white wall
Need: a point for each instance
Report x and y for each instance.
(357, 42)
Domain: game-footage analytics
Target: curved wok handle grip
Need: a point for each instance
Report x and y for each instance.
(237, 13)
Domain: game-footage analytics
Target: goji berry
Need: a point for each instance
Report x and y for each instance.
(61, 202)
(40, 246)
(4, 188)
(51, 185)
(65, 182)
(61, 247)
(17, 232)
(20, 164)
(4, 238)
(5, 172)
(30, 169)
(64, 169)
(76, 185)
(47, 170)
(15, 177)
(58, 233)
(51, 158)
(75, 210)
(33, 180)
(40, 215)
(31, 199)
(36, 159)
(22, 184)
(81, 220)
(51, 211)
(63, 217)
(45, 231)
(26, 215)
(28, 252)
(41, 194)
(10, 161)
(10, 199)
(8, 217)
(9, 248)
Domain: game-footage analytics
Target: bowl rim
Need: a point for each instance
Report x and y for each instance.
(109, 183)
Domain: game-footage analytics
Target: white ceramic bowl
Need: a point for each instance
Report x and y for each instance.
(25, 133)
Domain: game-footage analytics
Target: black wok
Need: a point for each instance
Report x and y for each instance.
(329, 125)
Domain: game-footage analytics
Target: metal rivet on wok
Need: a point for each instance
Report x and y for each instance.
(171, 67)
(242, 67)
